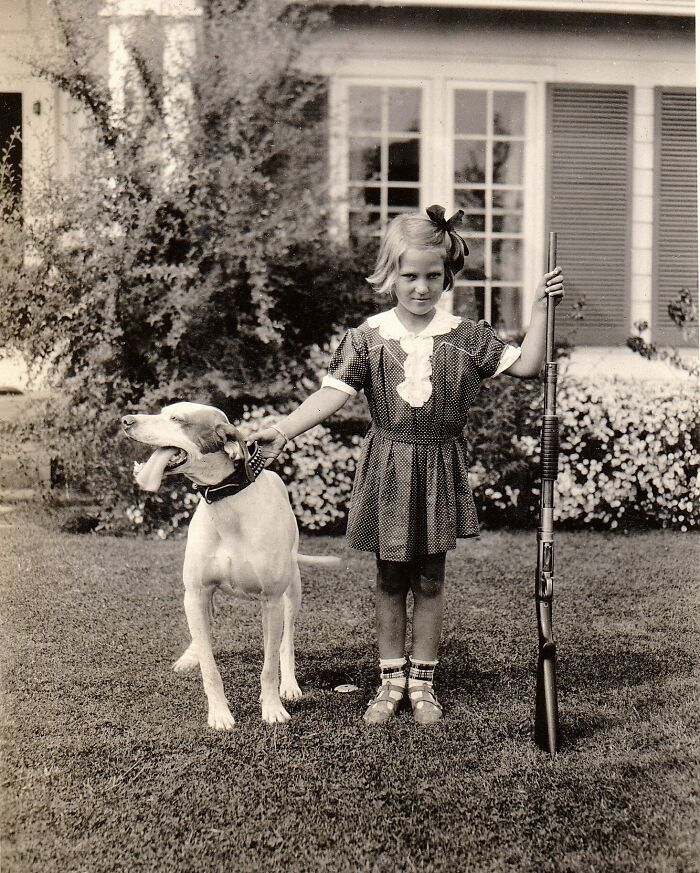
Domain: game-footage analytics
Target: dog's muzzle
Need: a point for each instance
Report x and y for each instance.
(165, 459)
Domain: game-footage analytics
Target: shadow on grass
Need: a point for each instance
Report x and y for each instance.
(601, 687)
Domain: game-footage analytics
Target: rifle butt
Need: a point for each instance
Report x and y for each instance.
(546, 705)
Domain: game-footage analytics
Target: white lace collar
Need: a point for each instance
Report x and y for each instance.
(417, 387)
(390, 327)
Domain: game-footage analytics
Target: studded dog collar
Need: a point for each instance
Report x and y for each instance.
(237, 481)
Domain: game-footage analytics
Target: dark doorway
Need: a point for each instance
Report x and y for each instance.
(11, 141)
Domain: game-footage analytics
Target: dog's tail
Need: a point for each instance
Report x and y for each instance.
(318, 560)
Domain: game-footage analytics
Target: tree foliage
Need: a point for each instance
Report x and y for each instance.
(135, 287)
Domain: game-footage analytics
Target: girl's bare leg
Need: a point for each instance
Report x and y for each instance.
(393, 584)
(428, 586)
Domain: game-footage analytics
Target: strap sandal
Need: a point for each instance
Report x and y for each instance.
(424, 703)
(385, 703)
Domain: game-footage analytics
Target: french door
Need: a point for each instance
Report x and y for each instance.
(406, 144)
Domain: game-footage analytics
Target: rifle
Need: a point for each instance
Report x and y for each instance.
(546, 709)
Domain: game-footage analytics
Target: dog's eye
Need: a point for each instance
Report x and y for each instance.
(176, 420)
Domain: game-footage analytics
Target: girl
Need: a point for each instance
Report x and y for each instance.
(420, 369)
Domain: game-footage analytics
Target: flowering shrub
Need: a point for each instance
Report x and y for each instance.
(627, 455)
(627, 458)
(161, 514)
(318, 468)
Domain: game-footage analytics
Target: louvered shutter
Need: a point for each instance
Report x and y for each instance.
(589, 184)
(676, 213)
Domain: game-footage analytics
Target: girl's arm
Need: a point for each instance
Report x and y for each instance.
(533, 345)
(315, 409)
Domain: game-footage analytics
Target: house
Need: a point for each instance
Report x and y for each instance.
(572, 115)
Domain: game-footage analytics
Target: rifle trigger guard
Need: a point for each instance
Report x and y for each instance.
(545, 589)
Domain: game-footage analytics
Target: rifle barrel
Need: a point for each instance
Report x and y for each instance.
(546, 707)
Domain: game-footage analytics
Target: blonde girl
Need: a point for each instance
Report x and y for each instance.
(420, 368)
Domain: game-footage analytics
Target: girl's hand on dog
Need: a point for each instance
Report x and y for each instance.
(271, 444)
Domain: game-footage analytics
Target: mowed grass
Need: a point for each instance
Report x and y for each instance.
(109, 765)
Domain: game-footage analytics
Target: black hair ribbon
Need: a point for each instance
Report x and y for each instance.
(436, 214)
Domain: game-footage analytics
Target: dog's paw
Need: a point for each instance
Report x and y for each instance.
(289, 689)
(186, 663)
(221, 719)
(275, 713)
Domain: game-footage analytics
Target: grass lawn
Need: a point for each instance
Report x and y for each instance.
(109, 765)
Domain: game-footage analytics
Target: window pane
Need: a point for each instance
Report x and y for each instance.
(511, 201)
(365, 159)
(489, 156)
(474, 266)
(470, 199)
(506, 258)
(507, 163)
(508, 113)
(359, 198)
(403, 197)
(470, 161)
(403, 160)
(505, 309)
(470, 112)
(474, 222)
(507, 223)
(404, 110)
(468, 301)
(365, 109)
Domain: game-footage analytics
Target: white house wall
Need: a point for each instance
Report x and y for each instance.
(438, 46)
(49, 124)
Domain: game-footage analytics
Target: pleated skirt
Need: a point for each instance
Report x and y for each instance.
(410, 498)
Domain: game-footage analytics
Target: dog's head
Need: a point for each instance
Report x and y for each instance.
(185, 433)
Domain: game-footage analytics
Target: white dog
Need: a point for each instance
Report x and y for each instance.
(242, 539)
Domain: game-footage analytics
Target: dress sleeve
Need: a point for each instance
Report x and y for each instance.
(348, 367)
(492, 355)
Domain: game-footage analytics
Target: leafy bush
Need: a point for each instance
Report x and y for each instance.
(627, 460)
(627, 456)
(134, 287)
(683, 312)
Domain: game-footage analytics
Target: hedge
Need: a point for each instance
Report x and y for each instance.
(630, 457)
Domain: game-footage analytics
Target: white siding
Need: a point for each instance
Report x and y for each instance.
(621, 7)
(438, 47)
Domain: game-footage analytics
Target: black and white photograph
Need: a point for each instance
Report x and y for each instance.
(349, 436)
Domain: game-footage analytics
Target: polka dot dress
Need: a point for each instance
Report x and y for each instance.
(411, 494)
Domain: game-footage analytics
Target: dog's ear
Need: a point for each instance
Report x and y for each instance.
(230, 435)
(208, 439)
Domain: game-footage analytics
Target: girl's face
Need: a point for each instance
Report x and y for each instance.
(419, 281)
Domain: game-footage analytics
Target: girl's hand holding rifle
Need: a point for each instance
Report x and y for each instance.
(552, 285)
(533, 345)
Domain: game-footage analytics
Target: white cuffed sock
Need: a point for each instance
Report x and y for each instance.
(421, 672)
(392, 669)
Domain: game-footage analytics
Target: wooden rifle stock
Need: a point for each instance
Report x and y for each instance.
(546, 707)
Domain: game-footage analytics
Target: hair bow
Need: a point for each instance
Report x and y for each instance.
(437, 215)
(458, 248)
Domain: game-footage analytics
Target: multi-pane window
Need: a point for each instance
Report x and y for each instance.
(473, 157)
(488, 141)
(384, 129)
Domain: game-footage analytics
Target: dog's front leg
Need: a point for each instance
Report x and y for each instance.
(189, 659)
(197, 601)
(289, 688)
(273, 623)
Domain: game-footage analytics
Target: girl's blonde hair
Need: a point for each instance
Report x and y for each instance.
(416, 230)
